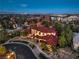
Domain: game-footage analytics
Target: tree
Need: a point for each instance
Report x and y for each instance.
(43, 46)
(5, 22)
(1, 28)
(14, 34)
(62, 40)
(2, 50)
(73, 26)
(59, 27)
(68, 34)
(54, 48)
(3, 36)
(46, 23)
(22, 33)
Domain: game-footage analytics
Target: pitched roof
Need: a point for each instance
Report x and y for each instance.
(44, 29)
(49, 39)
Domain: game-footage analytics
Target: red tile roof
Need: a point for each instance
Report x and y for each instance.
(45, 29)
(51, 40)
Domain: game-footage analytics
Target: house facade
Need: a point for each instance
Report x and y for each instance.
(47, 35)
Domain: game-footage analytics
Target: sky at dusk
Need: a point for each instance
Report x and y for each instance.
(40, 6)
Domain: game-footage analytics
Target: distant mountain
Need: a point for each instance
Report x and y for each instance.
(38, 13)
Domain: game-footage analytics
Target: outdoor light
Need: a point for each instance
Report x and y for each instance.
(8, 56)
(12, 53)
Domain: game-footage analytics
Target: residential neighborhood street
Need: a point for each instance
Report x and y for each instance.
(22, 52)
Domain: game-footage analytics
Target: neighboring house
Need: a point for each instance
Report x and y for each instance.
(71, 18)
(76, 41)
(39, 24)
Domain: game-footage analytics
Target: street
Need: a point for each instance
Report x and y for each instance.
(22, 51)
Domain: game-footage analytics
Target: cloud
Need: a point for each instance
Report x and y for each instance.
(23, 5)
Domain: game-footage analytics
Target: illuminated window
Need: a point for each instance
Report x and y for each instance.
(54, 34)
(41, 34)
(45, 34)
(48, 33)
(37, 33)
